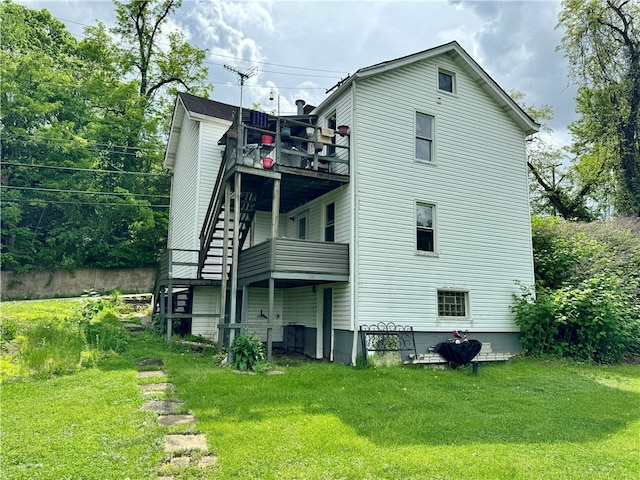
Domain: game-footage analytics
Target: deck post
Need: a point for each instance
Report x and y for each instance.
(223, 274)
(235, 239)
(275, 221)
(170, 297)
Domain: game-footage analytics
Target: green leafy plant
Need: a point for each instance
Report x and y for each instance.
(246, 351)
(105, 332)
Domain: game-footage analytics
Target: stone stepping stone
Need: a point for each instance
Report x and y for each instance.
(208, 461)
(152, 373)
(171, 420)
(176, 443)
(180, 461)
(149, 361)
(165, 477)
(134, 327)
(162, 406)
(156, 387)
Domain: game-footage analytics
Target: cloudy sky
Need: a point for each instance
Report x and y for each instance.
(303, 47)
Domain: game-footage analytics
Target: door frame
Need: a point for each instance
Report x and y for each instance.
(320, 324)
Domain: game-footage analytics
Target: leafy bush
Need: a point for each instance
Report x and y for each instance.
(246, 351)
(586, 304)
(105, 332)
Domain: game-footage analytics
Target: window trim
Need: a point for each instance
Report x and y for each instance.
(467, 305)
(302, 215)
(325, 221)
(432, 161)
(434, 228)
(454, 83)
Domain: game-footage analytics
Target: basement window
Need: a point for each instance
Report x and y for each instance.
(452, 304)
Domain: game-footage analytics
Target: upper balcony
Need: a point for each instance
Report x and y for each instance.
(310, 159)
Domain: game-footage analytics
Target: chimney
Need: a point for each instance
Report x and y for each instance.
(300, 104)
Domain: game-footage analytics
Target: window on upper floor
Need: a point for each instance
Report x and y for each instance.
(424, 137)
(330, 222)
(453, 304)
(303, 225)
(425, 227)
(332, 124)
(446, 81)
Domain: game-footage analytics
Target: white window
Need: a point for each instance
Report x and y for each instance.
(330, 222)
(453, 304)
(446, 81)
(424, 137)
(303, 225)
(425, 228)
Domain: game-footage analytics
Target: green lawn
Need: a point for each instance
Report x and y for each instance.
(524, 419)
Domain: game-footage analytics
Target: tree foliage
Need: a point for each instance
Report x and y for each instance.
(74, 120)
(557, 188)
(587, 300)
(602, 43)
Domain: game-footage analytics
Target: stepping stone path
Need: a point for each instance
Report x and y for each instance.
(183, 446)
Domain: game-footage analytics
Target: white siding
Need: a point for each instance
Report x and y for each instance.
(197, 162)
(343, 107)
(258, 301)
(183, 232)
(205, 300)
(183, 195)
(478, 184)
(300, 306)
(210, 160)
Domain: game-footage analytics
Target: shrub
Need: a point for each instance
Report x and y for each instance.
(587, 291)
(246, 351)
(105, 332)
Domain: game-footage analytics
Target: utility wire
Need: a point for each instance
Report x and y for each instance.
(151, 205)
(119, 172)
(16, 136)
(58, 190)
(230, 56)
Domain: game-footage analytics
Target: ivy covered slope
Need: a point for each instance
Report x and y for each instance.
(84, 116)
(587, 300)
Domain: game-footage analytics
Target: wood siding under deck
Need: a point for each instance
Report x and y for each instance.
(288, 260)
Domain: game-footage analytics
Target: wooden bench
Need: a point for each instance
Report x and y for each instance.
(485, 355)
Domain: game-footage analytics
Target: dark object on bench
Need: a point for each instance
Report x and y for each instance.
(386, 337)
(458, 354)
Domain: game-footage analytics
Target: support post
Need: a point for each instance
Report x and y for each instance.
(234, 256)
(223, 278)
(170, 297)
(275, 221)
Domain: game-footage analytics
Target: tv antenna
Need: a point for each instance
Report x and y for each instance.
(242, 76)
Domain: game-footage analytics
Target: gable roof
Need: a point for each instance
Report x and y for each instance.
(456, 52)
(209, 108)
(196, 108)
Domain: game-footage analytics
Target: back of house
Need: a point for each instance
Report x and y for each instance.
(402, 198)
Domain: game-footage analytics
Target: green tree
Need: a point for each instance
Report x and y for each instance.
(602, 43)
(557, 187)
(69, 104)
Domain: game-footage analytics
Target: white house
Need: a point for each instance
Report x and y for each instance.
(401, 198)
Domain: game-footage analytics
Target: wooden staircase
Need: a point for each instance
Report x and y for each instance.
(212, 251)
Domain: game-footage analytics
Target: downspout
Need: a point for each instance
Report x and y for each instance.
(354, 231)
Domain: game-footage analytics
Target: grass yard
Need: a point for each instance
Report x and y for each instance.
(524, 419)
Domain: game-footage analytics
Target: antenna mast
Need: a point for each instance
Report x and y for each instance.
(242, 76)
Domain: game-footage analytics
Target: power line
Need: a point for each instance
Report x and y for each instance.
(31, 137)
(58, 190)
(151, 205)
(119, 172)
(293, 67)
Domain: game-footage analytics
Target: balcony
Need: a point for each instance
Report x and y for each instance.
(293, 142)
(292, 262)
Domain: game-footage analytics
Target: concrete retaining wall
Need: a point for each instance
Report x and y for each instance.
(34, 285)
